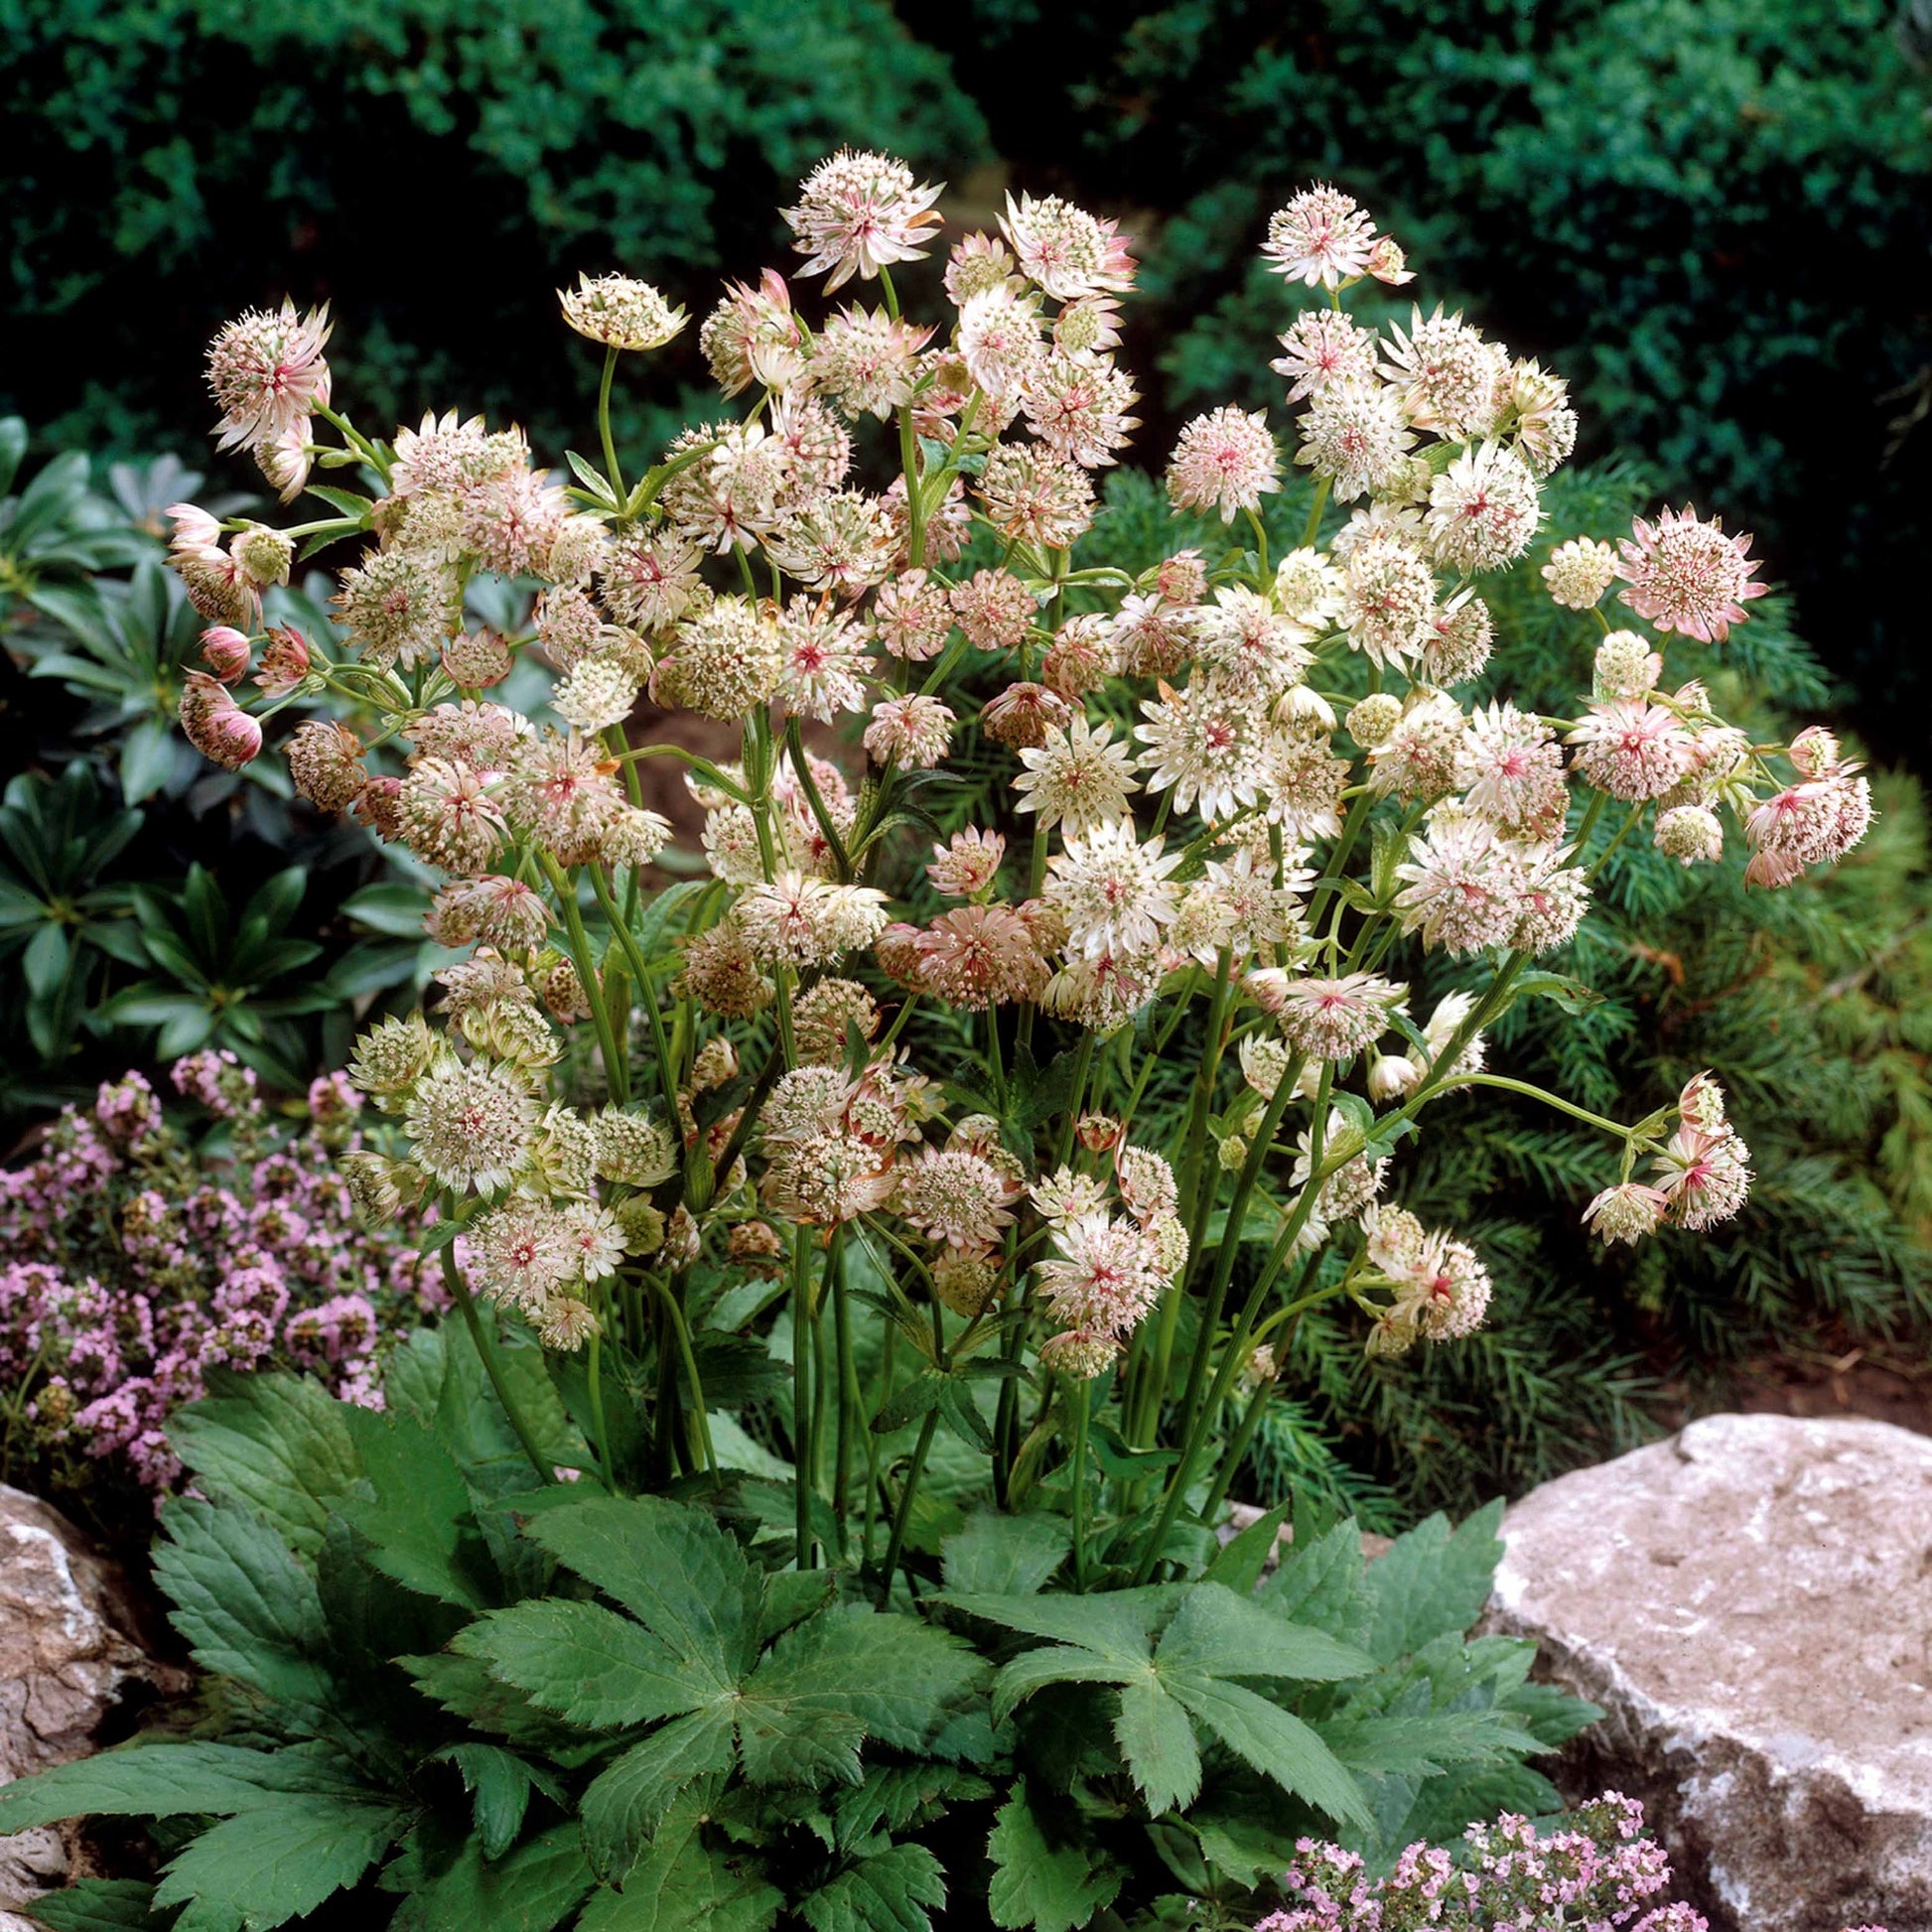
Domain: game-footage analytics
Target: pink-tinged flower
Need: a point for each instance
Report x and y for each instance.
(1202, 746)
(326, 763)
(978, 956)
(1706, 1178)
(620, 311)
(999, 346)
(867, 361)
(1625, 1212)
(967, 866)
(823, 662)
(1078, 778)
(1580, 572)
(268, 374)
(1388, 600)
(1035, 498)
(1461, 885)
(860, 212)
(1511, 771)
(956, 1196)
(1814, 822)
(226, 652)
(806, 921)
(215, 725)
(1077, 406)
(1079, 1354)
(913, 731)
(1631, 750)
(754, 336)
(1225, 461)
(827, 1178)
(649, 579)
(1328, 1019)
(1114, 891)
(1066, 251)
(1321, 236)
(978, 262)
(1322, 346)
(1688, 576)
(911, 616)
(1100, 1281)
(1355, 435)
(1024, 716)
(1420, 757)
(1448, 377)
(1482, 510)
(1552, 905)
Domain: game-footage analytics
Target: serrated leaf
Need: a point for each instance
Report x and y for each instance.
(1058, 1663)
(1115, 1624)
(1156, 1741)
(261, 1868)
(413, 1507)
(625, 1806)
(533, 1888)
(1051, 1887)
(243, 1602)
(1274, 1742)
(672, 1567)
(501, 1785)
(1220, 1634)
(1320, 1583)
(683, 1884)
(96, 1905)
(589, 1665)
(277, 1444)
(1000, 1555)
(887, 1892)
(1433, 1581)
(1239, 1562)
(168, 1780)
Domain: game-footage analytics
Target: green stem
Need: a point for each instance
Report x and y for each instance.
(796, 751)
(1082, 1402)
(688, 1356)
(847, 1379)
(616, 1067)
(486, 1348)
(599, 1421)
(902, 1513)
(801, 1401)
(1531, 1093)
(1244, 1436)
(603, 424)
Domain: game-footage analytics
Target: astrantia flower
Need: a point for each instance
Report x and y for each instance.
(620, 312)
(401, 607)
(1322, 346)
(914, 731)
(1099, 1280)
(1461, 886)
(527, 1253)
(1204, 745)
(509, 523)
(471, 1125)
(1511, 771)
(1388, 600)
(754, 336)
(1482, 510)
(725, 661)
(446, 815)
(828, 1177)
(1626, 1213)
(824, 1016)
(1692, 834)
(1460, 648)
(1260, 913)
(1550, 906)
(1328, 1019)
(1114, 892)
(1077, 407)
(1225, 461)
(1305, 782)
(268, 374)
(1544, 423)
(649, 578)
(911, 616)
(1078, 778)
(391, 1057)
(1688, 576)
(967, 866)
(326, 762)
(599, 693)
(1447, 374)
(563, 794)
(1354, 435)
(1034, 497)
(957, 1197)
(1079, 1354)
(867, 361)
(860, 212)
(1814, 822)
(215, 725)
(735, 488)
(1420, 758)
(1024, 715)
(1321, 236)
(844, 543)
(994, 608)
(1706, 1178)
(1252, 648)
(1580, 572)
(1063, 249)
(822, 658)
(978, 956)
(820, 443)
(1631, 750)
(808, 922)
(978, 262)
(999, 346)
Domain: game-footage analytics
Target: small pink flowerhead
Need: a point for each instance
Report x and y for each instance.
(226, 652)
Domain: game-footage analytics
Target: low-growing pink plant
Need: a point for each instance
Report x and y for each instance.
(142, 1248)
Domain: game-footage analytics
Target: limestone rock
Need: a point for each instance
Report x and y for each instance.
(66, 1661)
(1751, 1603)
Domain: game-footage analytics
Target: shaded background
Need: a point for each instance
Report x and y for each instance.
(1712, 216)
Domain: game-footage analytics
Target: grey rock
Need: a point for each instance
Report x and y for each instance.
(66, 1661)
(1751, 1603)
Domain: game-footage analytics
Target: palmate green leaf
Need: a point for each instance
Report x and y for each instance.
(1156, 1741)
(534, 1888)
(413, 1508)
(1220, 1634)
(169, 1780)
(900, 1798)
(625, 1806)
(1432, 1582)
(1274, 1742)
(262, 1867)
(244, 1603)
(464, 1687)
(1005, 1556)
(1060, 1663)
(277, 1444)
(887, 1892)
(1116, 1624)
(1423, 1744)
(590, 1666)
(672, 1567)
(682, 1883)
(1051, 1887)
(97, 1905)
(501, 1785)
(1320, 1585)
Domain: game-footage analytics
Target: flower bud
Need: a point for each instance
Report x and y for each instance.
(1626, 667)
(1392, 1077)
(1689, 834)
(1814, 752)
(226, 652)
(477, 659)
(215, 725)
(285, 662)
(1372, 718)
(1098, 1132)
(262, 555)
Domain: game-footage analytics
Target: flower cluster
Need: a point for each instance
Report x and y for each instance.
(1261, 789)
(134, 1260)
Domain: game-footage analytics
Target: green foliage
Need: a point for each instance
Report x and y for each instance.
(624, 1714)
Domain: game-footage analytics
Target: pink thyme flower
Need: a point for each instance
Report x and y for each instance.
(1688, 576)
